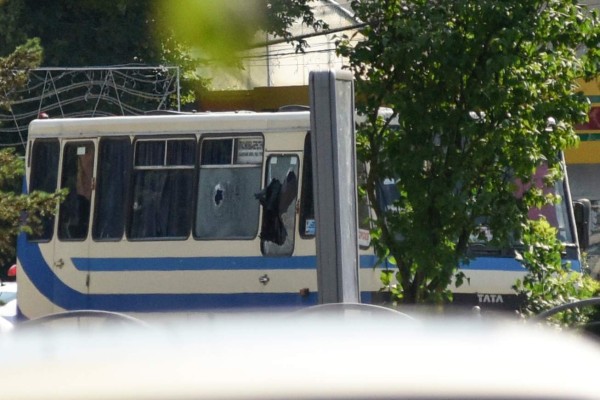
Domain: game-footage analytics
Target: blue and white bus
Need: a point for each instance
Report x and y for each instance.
(170, 213)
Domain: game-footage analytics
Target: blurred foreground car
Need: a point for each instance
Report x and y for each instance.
(299, 355)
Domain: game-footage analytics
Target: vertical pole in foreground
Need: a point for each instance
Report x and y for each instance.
(334, 180)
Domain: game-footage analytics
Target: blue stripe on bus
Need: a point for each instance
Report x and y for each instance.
(505, 264)
(194, 263)
(493, 264)
(479, 264)
(203, 263)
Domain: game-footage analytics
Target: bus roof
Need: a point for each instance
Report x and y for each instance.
(180, 123)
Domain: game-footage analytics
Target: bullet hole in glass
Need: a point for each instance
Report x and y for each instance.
(218, 195)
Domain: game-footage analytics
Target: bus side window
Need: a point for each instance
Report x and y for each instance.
(162, 188)
(364, 216)
(229, 176)
(77, 177)
(114, 172)
(307, 224)
(279, 206)
(44, 177)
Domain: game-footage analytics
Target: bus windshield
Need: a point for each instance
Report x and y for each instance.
(556, 214)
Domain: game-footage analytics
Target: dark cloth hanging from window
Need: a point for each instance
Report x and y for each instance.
(272, 227)
(289, 190)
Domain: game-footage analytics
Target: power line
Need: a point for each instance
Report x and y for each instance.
(309, 35)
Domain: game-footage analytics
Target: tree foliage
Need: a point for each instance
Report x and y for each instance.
(83, 33)
(15, 67)
(550, 282)
(483, 91)
(18, 212)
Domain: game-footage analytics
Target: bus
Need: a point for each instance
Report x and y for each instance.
(198, 212)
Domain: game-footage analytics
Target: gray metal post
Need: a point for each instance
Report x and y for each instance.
(334, 178)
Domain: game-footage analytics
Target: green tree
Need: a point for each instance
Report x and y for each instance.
(15, 67)
(82, 33)
(18, 212)
(483, 91)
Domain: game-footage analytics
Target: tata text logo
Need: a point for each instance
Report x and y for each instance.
(490, 298)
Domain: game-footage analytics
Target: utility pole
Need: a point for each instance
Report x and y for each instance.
(334, 179)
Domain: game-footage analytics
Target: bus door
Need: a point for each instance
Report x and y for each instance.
(71, 249)
(278, 201)
(36, 250)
